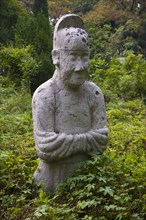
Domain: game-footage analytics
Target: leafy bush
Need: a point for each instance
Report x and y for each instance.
(101, 41)
(121, 78)
(125, 37)
(111, 186)
(36, 31)
(30, 58)
(9, 11)
(17, 154)
(107, 187)
(19, 64)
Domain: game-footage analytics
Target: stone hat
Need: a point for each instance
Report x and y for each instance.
(68, 28)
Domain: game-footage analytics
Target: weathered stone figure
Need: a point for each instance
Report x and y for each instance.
(68, 111)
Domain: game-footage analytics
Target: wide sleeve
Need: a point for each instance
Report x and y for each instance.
(43, 110)
(99, 131)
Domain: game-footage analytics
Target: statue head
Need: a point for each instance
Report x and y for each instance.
(70, 50)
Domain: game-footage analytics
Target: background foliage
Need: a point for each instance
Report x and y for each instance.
(29, 29)
(109, 186)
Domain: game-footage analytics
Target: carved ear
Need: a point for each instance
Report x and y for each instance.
(55, 56)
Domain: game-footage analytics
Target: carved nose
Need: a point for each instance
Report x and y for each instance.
(79, 65)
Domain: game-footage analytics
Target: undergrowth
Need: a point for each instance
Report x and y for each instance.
(107, 187)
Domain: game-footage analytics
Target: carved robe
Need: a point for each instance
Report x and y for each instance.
(68, 124)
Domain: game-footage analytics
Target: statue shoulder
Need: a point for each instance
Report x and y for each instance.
(92, 88)
(44, 92)
(44, 88)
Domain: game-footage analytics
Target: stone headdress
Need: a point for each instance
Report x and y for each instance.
(66, 29)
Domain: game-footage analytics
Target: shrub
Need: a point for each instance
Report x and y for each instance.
(19, 64)
(124, 79)
(110, 186)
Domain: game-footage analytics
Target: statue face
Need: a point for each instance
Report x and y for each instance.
(74, 63)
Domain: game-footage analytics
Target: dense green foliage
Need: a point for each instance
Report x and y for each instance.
(9, 11)
(123, 77)
(79, 6)
(40, 6)
(111, 186)
(126, 19)
(36, 31)
(29, 31)
(19, 64)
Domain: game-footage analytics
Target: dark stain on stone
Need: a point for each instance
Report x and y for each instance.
(97, 93)
(83, 39)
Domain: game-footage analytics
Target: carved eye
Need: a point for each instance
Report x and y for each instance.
(73, 56)
(85, 57)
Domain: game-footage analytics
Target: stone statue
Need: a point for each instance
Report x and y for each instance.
(68, 111)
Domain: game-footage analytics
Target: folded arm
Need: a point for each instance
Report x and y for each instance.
(53, 146)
